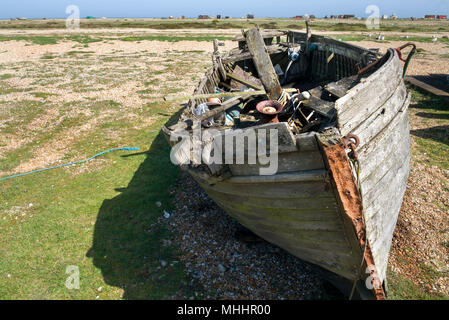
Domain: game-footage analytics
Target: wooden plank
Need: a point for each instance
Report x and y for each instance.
(350, 200)
(381, 218)
(263, 63)
(368, 96)
(291, 207)
(243, 81)
(287, 162)
(339, 88)
(284, 190)
(245, 55)
(374, 152)
(392, 162)
(428, 88)
(321, 220)
(376, 122)
(324, 108)
(306, 142)
(299, 176)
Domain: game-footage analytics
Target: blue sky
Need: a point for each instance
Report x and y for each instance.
(234, 8)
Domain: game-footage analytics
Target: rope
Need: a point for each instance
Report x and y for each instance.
(356, 166)
(284, 98)
(69, 164)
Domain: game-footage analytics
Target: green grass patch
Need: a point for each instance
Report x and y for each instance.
(42, 95)
(42, 40)
(401, 288)
(101, 221)
(6, 76)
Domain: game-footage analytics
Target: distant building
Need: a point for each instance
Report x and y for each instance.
(347, 16)
(227, 17)
(249, 16)
(333, 16)
(385, 17)
(312, 16)
(429, 16)
(298, 17)
(218, 16)
(441, 17)
(393, 16)
(203, 16)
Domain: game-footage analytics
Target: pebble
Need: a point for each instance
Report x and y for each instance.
(163, 263)
(245, 270)
(221, 268)
(166, 215)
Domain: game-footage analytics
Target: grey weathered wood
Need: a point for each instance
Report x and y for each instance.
(263, 63)
(287, 162)
(297, 176)
(245, 55)
(243, 81)
(429, 88)
(341, 87)
(306, 142)
(324, 108)
(365, 98)
(376, 122)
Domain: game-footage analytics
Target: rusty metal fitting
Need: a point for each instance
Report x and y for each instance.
(351, 142)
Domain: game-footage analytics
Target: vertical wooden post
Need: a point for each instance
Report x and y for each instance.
(263, 63)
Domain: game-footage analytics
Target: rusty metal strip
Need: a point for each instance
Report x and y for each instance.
(351, 201)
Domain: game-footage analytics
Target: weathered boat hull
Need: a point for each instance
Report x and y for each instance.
(298, 208)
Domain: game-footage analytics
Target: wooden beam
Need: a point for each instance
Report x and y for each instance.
(246, 83)
(216, 95)
(428, 88)
(262, 62)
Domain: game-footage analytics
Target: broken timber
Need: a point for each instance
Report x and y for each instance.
(263, 63)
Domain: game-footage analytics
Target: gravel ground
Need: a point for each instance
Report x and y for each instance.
(229, 262)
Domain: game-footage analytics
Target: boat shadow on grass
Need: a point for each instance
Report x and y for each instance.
(127, 244)
(437, 133)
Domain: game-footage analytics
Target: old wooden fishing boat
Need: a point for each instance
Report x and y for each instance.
(342, 155)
